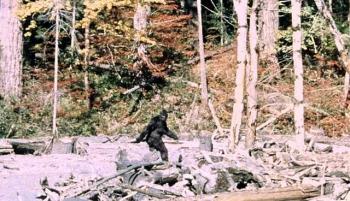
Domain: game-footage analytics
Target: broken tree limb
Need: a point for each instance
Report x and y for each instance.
(131, 90)
(281, 194)
(146, 192)
(216, 119)
(121, 172)
(272, 119)
(223, 50)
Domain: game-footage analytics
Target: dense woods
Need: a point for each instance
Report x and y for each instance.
(104, 66)
(238, 70)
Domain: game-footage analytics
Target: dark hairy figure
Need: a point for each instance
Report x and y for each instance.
(154, 132)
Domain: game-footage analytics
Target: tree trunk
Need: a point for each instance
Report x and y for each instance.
(55, 85)
(347, 75)
(72, 32)
(268, 28)
(330, 2)
(203, 70)
(222, 24)
(140, 25)
(10, 50)
(298, 72)
(252, 78)
(240, 7)
(86, 66)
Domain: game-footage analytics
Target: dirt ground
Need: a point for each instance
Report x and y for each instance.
(20, 174)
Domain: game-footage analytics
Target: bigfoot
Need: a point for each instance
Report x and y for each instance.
(154, 132)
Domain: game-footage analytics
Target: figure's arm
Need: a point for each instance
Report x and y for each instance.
(171, 134)
(149, 128)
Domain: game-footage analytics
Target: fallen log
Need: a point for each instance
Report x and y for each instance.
(281, 194)
(6, 151)
(24, 146)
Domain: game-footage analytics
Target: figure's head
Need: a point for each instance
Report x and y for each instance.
(163, 115)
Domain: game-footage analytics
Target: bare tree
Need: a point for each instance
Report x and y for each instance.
(86, 65)
(10, 50)
(252, 78)
(204, 87)
(347, 75)
(298, 72)
(72, 31)
(268, 28)
(240, 7)
(56, 13)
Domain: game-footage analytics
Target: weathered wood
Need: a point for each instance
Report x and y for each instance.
(121, 172)
(281, 194)
(146, 192)
(6, 151)
(5, 145)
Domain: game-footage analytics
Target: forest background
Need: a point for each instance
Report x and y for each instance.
(113, 76)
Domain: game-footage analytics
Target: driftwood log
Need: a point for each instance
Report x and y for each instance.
(281, 194)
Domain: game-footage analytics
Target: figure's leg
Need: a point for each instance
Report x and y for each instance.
(163, 150)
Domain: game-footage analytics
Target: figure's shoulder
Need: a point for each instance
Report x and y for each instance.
(156, 118)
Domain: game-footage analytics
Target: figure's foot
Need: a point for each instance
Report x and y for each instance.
(164, 166)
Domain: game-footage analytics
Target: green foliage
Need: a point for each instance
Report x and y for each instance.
(212, 23)
(16, 120)
(317, 38)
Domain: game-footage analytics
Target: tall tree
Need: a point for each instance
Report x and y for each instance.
(204, 87)
(252, 77)
(241, 7)
(72, 31)
(56, 13)
(298, 73)
(268, 28)
(10, 50)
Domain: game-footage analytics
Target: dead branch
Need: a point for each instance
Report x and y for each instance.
(121, 172)
(146, 192)
(216, 119)
(223, 50)
(274, 118)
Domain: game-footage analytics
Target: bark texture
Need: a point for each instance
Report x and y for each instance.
(241, 7)
(10, 50)
(268, 28)
(252, 78)
(55, 84)
(203, 69)
(298, 73)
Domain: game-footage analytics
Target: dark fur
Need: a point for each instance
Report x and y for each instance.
(154, 132)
